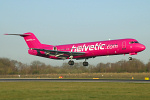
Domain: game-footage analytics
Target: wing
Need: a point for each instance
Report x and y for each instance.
(59, 54)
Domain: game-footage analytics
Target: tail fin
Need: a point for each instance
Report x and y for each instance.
(30, 39)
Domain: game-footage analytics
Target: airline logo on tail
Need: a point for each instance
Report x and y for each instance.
(30, 39)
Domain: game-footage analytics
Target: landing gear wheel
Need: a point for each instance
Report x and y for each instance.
(85, 63)
(130, 58)
(71, 62)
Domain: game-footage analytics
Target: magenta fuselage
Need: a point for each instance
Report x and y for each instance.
(91, 49)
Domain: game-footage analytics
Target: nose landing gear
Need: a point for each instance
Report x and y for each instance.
(130, 58)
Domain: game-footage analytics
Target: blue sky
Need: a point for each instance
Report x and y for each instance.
(73, 21)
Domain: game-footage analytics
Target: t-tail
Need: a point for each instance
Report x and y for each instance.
(30, 39)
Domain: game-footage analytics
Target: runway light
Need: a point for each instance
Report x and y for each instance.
(38, 77)
(95, 78)
(60, 76)
(146, 78)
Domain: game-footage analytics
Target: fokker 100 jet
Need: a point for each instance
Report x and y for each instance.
(81, 50)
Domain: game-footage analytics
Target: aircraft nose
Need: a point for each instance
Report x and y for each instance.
(142, 47)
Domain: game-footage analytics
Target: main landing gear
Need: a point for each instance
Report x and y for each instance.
(71, 62)
(85, 63)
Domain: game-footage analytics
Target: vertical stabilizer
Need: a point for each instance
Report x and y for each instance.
(31, 40)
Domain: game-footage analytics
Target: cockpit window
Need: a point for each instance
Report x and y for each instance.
(136, 42)
(133, 42)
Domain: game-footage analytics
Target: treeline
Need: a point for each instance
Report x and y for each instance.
(13, 67)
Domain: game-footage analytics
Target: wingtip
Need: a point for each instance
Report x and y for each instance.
(6, 34)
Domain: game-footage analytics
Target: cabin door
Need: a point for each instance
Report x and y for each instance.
(55, 48)
(123, 45)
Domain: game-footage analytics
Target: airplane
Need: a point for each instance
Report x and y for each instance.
(81, 50)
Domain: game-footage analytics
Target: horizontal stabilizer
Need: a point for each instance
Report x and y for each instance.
(23, 35)
(30, 39)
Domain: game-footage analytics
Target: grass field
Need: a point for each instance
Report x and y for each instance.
(136, 76)
(73, 91)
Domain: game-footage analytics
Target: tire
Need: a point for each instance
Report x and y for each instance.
(71, 62)
(85, 63)
(130, 58)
